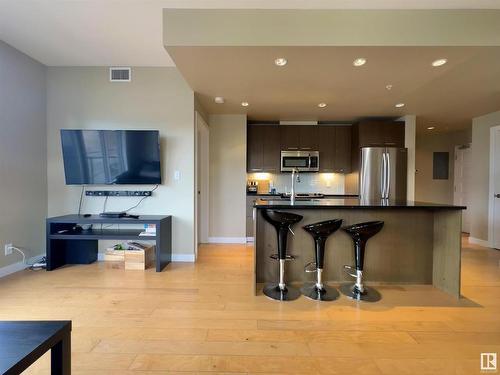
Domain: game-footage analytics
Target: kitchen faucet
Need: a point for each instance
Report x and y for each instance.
(295, 172)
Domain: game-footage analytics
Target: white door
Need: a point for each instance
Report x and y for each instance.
(495, 187)
(462, 173)
(202, 179)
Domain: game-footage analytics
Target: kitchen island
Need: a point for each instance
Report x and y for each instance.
(420, 243)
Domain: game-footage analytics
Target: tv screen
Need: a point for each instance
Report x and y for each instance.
(111, 156)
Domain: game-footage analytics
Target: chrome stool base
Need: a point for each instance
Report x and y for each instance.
(273, 291)
(310, 291)
(368, 295)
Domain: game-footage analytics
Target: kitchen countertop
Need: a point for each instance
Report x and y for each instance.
(279, 195)
(350, 203)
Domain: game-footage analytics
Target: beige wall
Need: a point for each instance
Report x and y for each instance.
(157, 98)
(426, 188)
(23, 157)
(410, 144)
(227, 176)
(480, 173)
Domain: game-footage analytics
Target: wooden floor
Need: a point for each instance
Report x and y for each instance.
(198, 318)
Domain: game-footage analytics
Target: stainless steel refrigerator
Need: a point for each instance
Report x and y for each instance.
(383, 173)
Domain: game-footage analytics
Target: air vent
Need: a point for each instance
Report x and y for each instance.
(120, 74)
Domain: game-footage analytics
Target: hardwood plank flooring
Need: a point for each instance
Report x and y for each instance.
(203, 318)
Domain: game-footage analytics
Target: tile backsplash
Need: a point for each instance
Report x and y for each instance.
(326, 183)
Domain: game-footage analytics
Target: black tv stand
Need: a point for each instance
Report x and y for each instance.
(66, 246)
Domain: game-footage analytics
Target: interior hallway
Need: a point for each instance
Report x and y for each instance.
(201, 317)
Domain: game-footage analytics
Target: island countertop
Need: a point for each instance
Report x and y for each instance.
(349, 203)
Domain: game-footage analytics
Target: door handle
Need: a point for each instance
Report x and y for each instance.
(497, 195)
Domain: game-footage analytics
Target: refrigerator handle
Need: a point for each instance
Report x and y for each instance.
(388, 180)
(383, 179)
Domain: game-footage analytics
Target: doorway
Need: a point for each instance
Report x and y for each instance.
(461, 183)
(494, 200)
(202, 181)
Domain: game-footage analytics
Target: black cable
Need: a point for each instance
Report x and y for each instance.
(105, 201)
(140, 201)
(81, 200)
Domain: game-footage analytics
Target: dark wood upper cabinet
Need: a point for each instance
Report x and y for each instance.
(334, 148)
(308, 137)
(299, 137)
(254, 148)
(265, 142)
(342, 159)
(263, 148)
(271, 158)
(326, 147)
(378, 133)
(290, 137)
(394, 134)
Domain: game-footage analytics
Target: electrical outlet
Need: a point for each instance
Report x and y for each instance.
(8, 248)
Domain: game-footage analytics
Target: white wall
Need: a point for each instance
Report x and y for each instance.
(228, 145)
(480, 173)
(157, 98)
(23, 182)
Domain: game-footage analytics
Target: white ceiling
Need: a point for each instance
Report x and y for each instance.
(129, 32)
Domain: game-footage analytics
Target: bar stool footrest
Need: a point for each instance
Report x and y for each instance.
(350, 268)
(308, 268)
(287, 258)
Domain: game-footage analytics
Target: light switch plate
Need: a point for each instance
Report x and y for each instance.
(177, 175)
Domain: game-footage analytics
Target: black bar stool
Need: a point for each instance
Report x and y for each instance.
(283, 222)
(360, 234)
(320, 233)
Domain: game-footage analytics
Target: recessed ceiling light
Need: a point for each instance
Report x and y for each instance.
(244, 104)
(322, 105)
(219, 100)
(388, 87)
(439, 62)
(359, 61)
(399, 105)
(431, 127)
(280, 61)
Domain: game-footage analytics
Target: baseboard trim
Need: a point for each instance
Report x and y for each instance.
(19, 266)
(480, 242)
(183, 258)
(175, 257)
(242, 240)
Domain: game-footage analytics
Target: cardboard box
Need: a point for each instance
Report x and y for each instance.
(139, 259)
(112, 255)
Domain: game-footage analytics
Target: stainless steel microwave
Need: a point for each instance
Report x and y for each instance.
(303, 161)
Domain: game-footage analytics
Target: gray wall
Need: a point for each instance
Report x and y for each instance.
(157, 98)
(426, 188)
(481, 173)
(228, 143)
(23, 161)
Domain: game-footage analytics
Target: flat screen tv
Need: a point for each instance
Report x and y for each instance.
(97, 157)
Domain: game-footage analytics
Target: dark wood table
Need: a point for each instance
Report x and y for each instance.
(23, 342)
